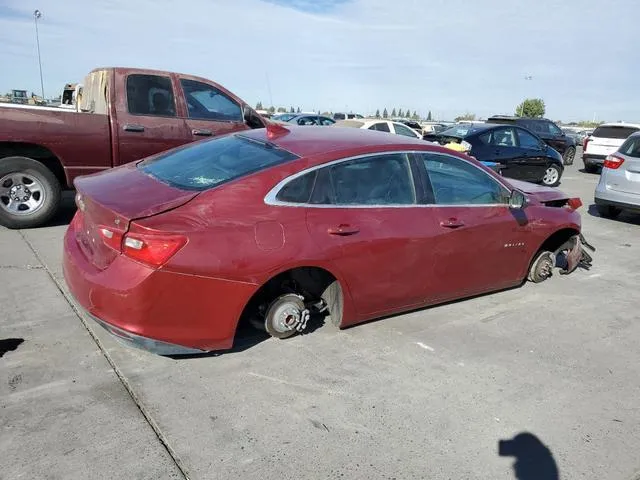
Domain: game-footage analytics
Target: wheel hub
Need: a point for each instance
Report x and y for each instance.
(20, 193)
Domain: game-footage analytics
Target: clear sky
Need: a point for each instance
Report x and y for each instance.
(447, 56)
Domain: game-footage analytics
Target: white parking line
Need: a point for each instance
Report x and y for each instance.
(426, 347)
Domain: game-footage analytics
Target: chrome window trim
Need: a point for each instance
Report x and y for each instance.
(270, 197)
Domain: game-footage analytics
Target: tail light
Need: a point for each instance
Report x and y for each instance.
(153, 249)
(584, 144)
(575, 203)
(613, 162)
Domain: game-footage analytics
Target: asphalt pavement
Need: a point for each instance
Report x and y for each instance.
(429, 394)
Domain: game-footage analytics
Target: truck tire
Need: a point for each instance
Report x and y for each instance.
(29, 193)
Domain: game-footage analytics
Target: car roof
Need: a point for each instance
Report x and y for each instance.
(305, 141)
(514, 118)
(619, 124)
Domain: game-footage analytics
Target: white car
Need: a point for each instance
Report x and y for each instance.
(380, 125)
(605, 140)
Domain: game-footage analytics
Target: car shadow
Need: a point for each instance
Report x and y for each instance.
(66, 211)
(583, 170)
(9, 345)
(624, 217)
(533, 459)
(247, 336)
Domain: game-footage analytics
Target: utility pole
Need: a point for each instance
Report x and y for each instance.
(36, 15)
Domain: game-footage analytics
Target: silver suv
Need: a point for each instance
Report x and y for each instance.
(619, 186)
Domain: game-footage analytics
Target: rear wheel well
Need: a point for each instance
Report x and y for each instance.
(313, 283)
(39, 154)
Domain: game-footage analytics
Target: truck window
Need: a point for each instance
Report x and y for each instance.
(150, 95)
(205, 102)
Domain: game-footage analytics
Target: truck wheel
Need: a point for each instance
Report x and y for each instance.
(29, 193)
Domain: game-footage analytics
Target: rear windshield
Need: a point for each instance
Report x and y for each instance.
(459, 131)
(204, 165)
(614, 132)
(631, 147)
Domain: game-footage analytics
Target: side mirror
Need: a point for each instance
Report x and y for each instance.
(517, 200)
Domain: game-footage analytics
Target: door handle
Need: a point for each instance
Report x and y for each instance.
(343, 230)
(201, 132)
(452, 223)
(131, 127)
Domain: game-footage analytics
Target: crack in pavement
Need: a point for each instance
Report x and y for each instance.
(143, 410)
(21, 267)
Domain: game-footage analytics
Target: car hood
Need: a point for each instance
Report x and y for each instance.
(539, 192)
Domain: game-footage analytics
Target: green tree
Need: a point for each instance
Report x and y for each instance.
(400, 114)
(385, 114)
(415, 115)
(531, 107)
(465, 116)
(429, 116)
(378, 113)
(282, 110)
(393, 113)
(259, 106)
(298, 110)
(272, 109)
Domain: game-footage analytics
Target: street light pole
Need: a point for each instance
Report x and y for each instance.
(36, 15)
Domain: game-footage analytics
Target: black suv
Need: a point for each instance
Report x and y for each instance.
(546, 130)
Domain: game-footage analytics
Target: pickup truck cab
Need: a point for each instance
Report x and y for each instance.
(122, 115)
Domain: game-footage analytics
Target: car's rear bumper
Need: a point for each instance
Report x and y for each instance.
(614, 198)
(593, 159)
(164, 312)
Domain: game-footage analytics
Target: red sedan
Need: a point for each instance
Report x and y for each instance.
(270, 225)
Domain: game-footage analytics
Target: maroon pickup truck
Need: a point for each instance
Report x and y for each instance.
(123, 115)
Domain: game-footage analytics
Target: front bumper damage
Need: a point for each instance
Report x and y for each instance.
(572, 254)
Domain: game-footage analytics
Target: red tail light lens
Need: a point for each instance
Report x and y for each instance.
(584, 144)
(574, 203)
(152, 249)
(613, 162)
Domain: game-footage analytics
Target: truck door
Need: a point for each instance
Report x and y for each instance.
(147, 119)
(210, 110)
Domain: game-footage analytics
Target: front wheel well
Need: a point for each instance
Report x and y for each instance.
(312, 283)
(554, 241)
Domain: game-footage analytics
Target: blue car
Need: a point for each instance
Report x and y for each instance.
(521, 154)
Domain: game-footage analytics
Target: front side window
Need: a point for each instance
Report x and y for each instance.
(326, 121)
(205, 102)
(375, 180)
(503, 137)
(150, 95)
(527, 140)
(457, 182)
(553, 130)
(203, 165)
(402, 130)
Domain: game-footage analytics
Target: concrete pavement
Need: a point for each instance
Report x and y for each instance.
(423, 395)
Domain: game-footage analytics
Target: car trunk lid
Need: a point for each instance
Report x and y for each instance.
(109, 201)
(626, 178)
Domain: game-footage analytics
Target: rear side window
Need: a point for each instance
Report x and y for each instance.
(298, 190)
(406, 131)
(618, 133)
(380, 127)
(150, 95)
(199, 166)
(631, 147)
(376, 180)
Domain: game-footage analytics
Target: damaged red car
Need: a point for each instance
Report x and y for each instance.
(272, 226)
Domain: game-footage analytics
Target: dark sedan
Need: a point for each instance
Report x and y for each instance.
(521, 154)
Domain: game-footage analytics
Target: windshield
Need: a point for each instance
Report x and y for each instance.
(200, 166)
